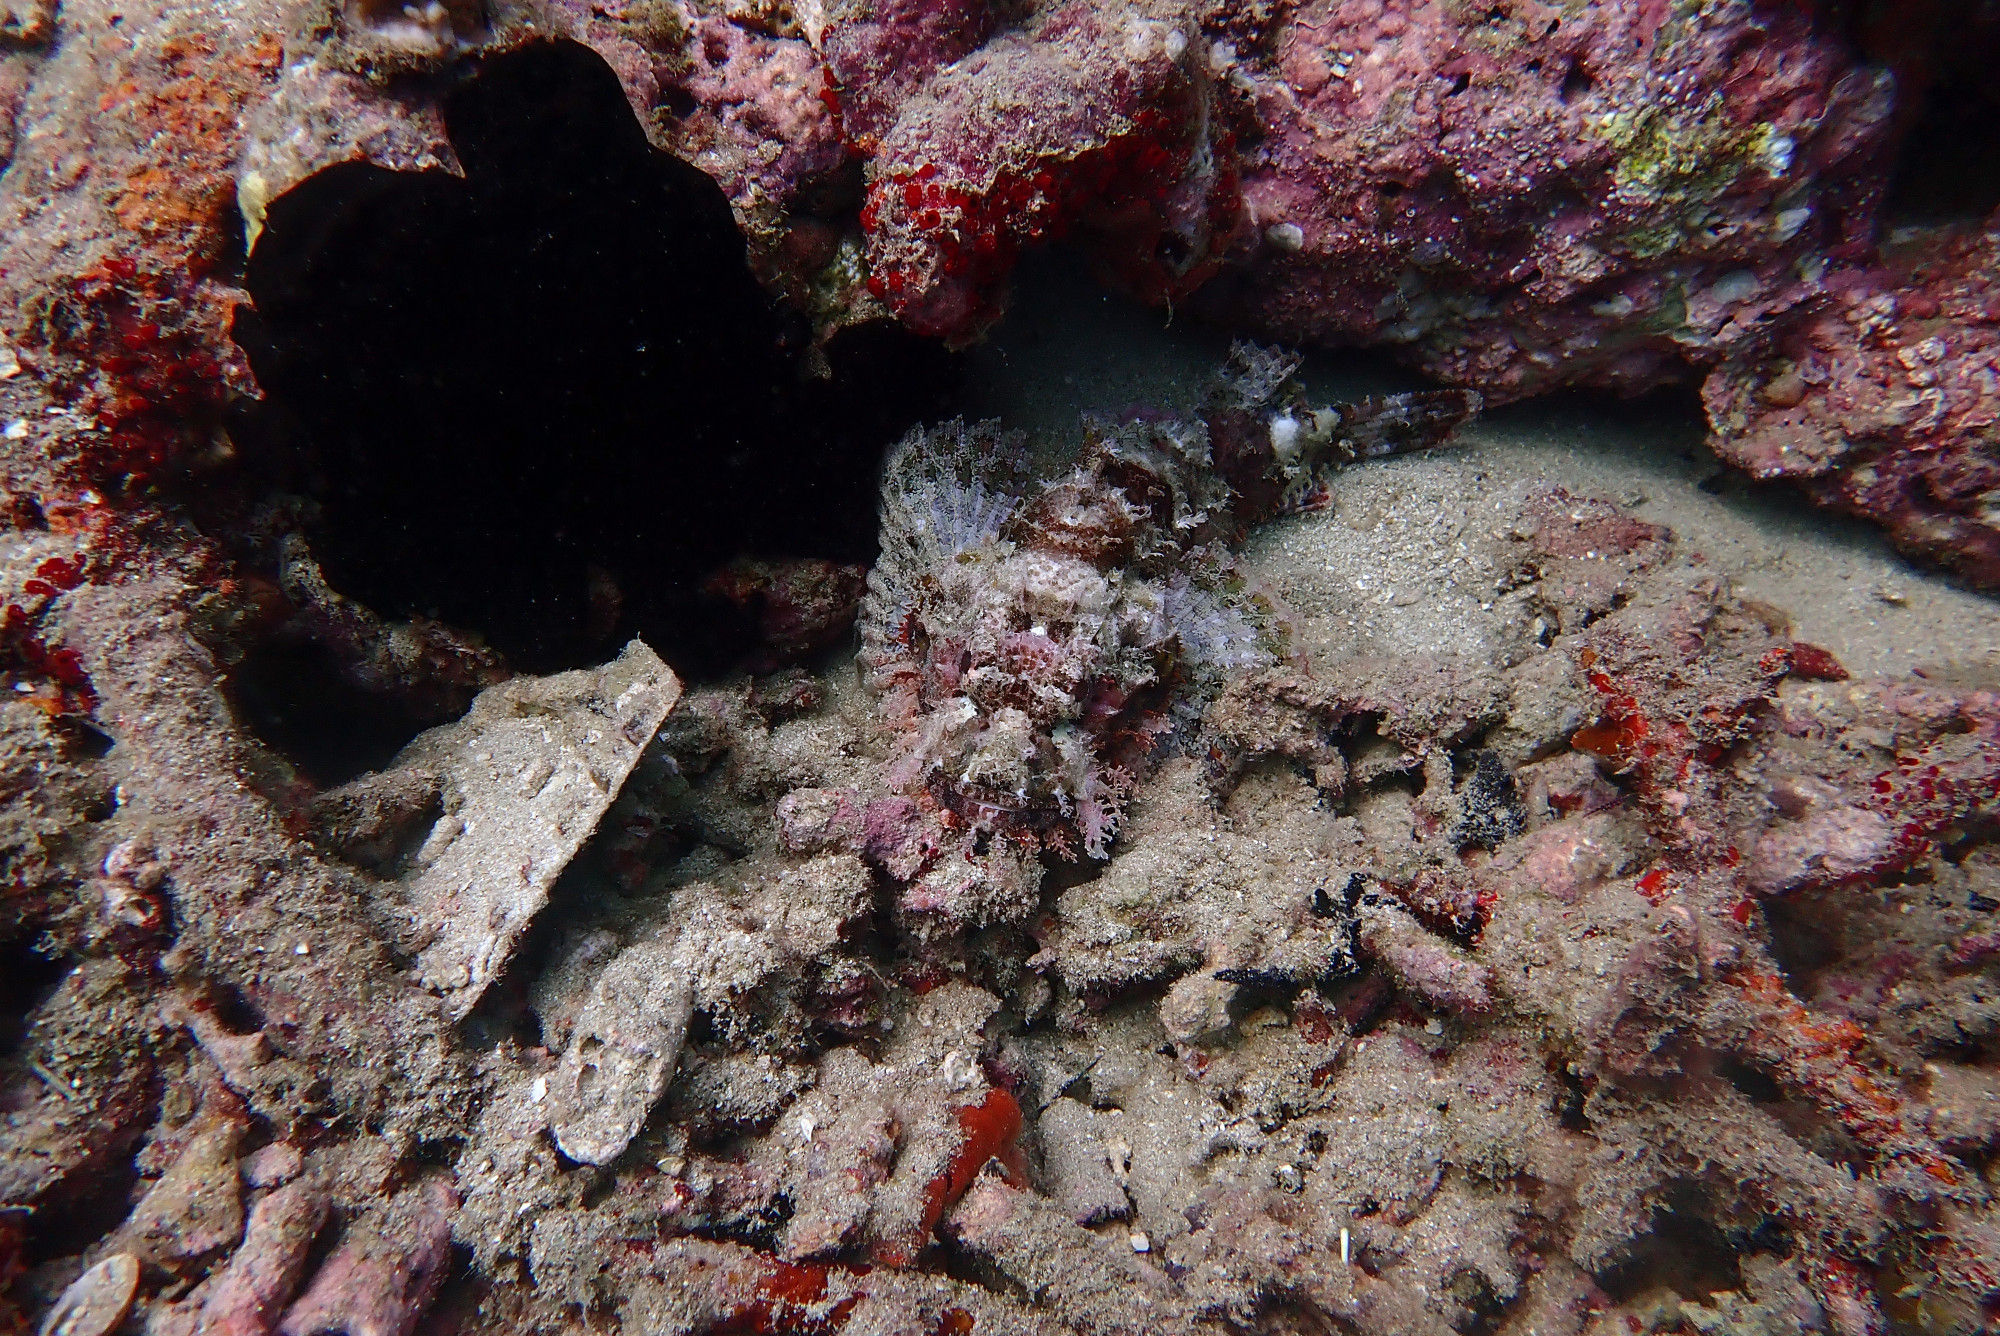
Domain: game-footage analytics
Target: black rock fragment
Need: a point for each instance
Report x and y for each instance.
(1489, 808)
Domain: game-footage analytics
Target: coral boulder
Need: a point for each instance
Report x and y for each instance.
(1531, 195)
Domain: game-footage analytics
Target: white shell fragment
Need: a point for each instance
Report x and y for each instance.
(526, 776)
(96, 1301)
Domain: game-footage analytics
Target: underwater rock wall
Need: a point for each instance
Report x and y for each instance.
(1882, 398)
(1516, 200)
(1548, 195)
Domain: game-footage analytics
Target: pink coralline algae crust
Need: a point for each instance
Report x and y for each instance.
(1533, 195)
(386, 1271)
(881, 52)
(1845, 832)
(1882, 397)
(1677, 703)
(762, 128)
(1075, 125)
(740, 94)
(760, 122)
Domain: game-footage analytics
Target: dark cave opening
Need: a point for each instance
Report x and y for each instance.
(545, 401)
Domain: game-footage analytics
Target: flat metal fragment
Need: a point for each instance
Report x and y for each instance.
(621, 1053)
(524, 777)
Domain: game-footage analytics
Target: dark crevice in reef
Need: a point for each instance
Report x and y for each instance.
(1674, 408)
(27, 977)
(1685, 1252)
(1801, 944)
(1950, 167)
(1947, 167)
(545, 401)
(301, 703)
(67, 1222)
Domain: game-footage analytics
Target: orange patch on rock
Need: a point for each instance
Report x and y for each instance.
(193, 124)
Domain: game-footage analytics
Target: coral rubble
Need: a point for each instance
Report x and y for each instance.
(1079, 953)
(1076, 957)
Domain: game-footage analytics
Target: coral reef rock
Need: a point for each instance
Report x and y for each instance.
(1101, 946)
(1882, 398)
(621, 1052)
(1117, 149)
(1515, 200)
(1522, 197)
(1155, 924)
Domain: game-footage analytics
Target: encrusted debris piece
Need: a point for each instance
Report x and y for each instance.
(96, 1301)
(621, 1053)
(524, 778)
(253, 909)
(431, 667)
(1080, 1166)
(382, 1278)
(1033, 1243)
(248, 1294)
(196, 1209)
(1427, 965)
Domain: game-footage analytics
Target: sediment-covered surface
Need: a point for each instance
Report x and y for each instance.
(1619, 959)
(1269, 856)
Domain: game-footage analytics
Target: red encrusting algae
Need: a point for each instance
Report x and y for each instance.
(988, 1131)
